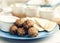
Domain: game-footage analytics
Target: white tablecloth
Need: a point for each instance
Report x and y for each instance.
(55, 38)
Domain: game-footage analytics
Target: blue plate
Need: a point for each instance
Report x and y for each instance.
(40, 35)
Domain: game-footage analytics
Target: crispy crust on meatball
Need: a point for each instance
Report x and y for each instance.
(21, 32)
(18, 23)
(33, 32)
(27, 24)
(13, 29)
(22, 27)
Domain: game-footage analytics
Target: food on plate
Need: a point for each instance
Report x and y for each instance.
(13, 29)
(33, 32)
(56, 20)
(25, 27)
(27, 24)
(38, 27)
(31, 26)
(45, 24)
(21, 32)
(6, 21)
(18, 23)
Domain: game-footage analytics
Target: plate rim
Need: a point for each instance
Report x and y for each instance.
(34, 37)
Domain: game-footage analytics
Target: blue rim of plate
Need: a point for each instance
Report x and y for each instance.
(41, 34)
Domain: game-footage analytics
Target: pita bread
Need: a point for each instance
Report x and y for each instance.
(38, 27)
(42, 24)
(45, 24)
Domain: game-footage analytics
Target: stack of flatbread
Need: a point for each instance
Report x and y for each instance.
(41, 24)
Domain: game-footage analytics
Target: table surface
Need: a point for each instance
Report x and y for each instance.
(55, 38)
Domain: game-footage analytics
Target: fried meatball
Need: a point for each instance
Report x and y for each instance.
(21, 32)
(18, 23)
(33, 32)
(13, 29)
(27, 24)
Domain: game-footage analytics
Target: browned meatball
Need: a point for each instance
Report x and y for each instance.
(18, 23)
(27, 24)
(13, 29)
(33, 32)
(21, 32)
